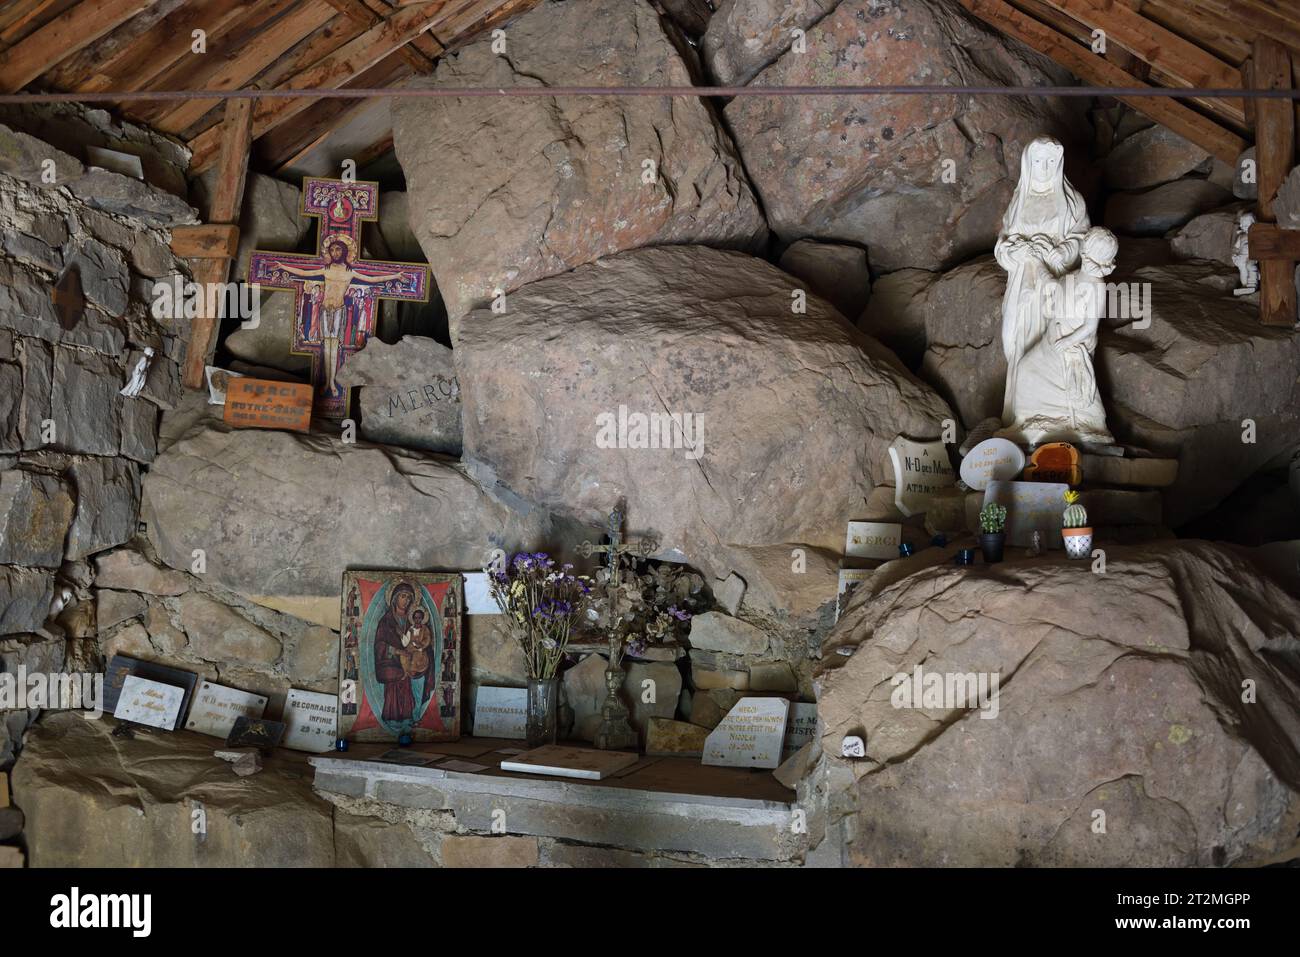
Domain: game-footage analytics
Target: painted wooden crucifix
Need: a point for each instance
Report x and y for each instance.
(336, 293)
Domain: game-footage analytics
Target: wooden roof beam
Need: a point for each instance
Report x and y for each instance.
(331, 72)
(226, 203)
(1090, 68)
(1275, 153)
(368, 17)
(265, 48)
(61, 38)
(1176, 58)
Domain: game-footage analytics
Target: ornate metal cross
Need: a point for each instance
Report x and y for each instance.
(615, 732)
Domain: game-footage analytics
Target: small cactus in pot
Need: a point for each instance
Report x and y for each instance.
(993, 532)
(1075, 531)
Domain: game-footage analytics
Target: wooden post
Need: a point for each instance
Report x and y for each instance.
(1275, 145)
(226, 202)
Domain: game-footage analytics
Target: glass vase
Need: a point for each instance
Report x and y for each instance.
(542, 711)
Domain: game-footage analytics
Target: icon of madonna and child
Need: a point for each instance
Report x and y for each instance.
(400, 661)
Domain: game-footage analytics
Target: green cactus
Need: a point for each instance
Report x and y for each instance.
(1075, 515)
(993, 518)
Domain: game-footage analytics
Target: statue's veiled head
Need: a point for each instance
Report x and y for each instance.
(1041, 164)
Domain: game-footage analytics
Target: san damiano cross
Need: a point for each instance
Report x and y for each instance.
(336, 293)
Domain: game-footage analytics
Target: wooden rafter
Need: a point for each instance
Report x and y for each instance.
(368, 17)
(291, 141)
(1180, 60)
(227, 200)
(61, 37)
(330, 72)
(267, 46)
(1275, 153)
(1091, 68)
(17, 20)
(73, 72)
(154, 51)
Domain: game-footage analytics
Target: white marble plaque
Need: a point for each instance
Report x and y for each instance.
(920, 470)
(149, 702)
(478, 598)
(216, 707)
(501, 713)
(993, 460)
(310, 720)
(800, 727)
(750, 736)
(1031, 506)
(873, 540)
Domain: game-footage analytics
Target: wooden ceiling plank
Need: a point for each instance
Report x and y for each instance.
(250, 60)
(1275, 154)
(61, 38)
(20, 19)
(1268, 20)
(1091, 68)
(162, 47)
(82, 68)
(227, 199)
(331, 72)
(290, 141)
(1203, 27)
(1153, 44)
(369, 13)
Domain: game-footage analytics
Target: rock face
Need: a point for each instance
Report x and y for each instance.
(280, 516)
(92, 800)
(919, 181)
(1119, 693)
(1153, 156)
(1186, 385)
(836, 272)
(790, 415)
(1158, 210)
(744, 36)
(532, 188)
(410, 395)
(1209, 236)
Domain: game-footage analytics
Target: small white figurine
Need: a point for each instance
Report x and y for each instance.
(1247, 268)
(853, 747)
(62, 598)
(135, 385)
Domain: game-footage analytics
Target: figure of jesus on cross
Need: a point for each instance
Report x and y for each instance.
(335, 292)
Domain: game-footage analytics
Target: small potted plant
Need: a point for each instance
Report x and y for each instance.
(993, 531)
(1075, 530)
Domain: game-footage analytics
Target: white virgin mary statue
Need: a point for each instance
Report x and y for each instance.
(1054, 300)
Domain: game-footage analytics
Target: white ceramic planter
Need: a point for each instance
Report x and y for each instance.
(1078, 542)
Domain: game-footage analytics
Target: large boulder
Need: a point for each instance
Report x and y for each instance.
(409, 394)
(1204, 382)
(1143, 717)
(921, 181)
(1209, 236)
(1162, 208)
(1153, 156)
(162, 800)
(744, 36)
(534, 187)
(278, 516)
(790, 414)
